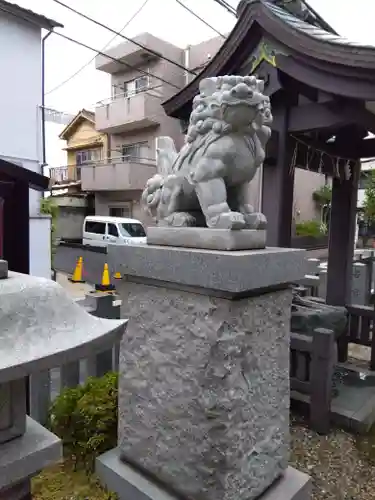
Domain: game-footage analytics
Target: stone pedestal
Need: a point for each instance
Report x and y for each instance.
(204, 368)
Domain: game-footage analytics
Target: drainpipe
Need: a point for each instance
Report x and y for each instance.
(44, 163)
(187, 63)
(260, 188)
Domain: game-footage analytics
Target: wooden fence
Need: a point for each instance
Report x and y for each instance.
(360, 331)
(311, 370)
(43, 387)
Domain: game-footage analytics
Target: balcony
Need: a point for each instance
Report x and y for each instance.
(64, 176)
(124, 112)
(117, 174)
(130, 53)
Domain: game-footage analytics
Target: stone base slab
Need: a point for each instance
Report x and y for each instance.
(223, 272)
(129, 484)
(25, 456)
(207, 238)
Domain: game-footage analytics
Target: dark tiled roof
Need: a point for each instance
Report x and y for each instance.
(310, 29)
(29, 15)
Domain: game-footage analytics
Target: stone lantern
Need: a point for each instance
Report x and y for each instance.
(40, 328)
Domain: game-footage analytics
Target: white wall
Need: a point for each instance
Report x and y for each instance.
(55, 154)
(20, 98)
(40, 250)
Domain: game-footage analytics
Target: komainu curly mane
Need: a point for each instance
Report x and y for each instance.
(227, 134)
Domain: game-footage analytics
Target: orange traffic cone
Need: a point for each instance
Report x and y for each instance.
(105, 285)
(78, 271)
(117, 276)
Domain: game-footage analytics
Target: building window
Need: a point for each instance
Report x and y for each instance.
(141, 83)
(85, 157)
(124, 210)
(136, 86)
(364, 179)
(136, 151)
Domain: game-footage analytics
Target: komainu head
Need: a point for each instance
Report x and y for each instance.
(229, 103)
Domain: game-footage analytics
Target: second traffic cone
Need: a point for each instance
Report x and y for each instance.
(105, 285)
(117, 276)
(77, 274)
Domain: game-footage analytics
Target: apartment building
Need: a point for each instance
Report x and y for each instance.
(132, 118)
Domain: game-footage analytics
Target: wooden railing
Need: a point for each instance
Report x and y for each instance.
(46, 385)
(360, 331)
(311, 370)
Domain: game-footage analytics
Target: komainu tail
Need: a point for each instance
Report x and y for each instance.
(155, 197)
(166, 155)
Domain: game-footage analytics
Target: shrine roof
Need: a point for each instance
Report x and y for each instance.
(29, 15)
(17, 173)
(305, 47)
(310, 29)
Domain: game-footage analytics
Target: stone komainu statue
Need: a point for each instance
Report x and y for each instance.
(206, 183)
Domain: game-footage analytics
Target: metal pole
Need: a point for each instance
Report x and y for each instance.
(43, 103)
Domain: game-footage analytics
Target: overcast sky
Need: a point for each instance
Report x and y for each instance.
(163, 18)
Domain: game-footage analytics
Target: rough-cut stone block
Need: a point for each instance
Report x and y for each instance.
(25, 456)
(239, 272)
(211, 239)
(204, 390)
(12, 410)
(3, 269)
(129, 483)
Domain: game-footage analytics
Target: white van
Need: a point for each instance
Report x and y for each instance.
(98, 231)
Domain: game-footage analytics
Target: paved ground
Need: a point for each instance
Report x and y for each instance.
(76, 290)
(93, 262)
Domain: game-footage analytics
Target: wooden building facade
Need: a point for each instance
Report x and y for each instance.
(322, 90)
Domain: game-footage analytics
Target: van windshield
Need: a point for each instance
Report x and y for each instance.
(132, 229)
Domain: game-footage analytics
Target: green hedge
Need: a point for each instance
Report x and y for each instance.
(85, 418)
(310, 228)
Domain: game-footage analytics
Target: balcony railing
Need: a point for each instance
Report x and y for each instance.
(65, 175)
(151, 90)
(115, 173)
(129, 111)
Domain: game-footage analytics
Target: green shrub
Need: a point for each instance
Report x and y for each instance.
(85, 418)
(310, 228)
(49, 207)
(323, 195)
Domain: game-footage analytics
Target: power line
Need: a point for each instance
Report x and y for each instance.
(147, 73)
(226, 6)
(200, 18)
(105, 46)
(117, 33)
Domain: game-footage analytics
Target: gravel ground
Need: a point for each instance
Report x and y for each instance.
(339, 470)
